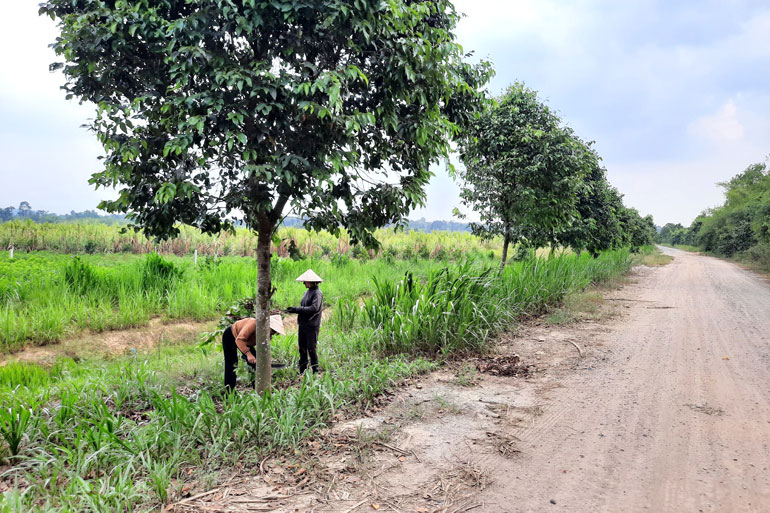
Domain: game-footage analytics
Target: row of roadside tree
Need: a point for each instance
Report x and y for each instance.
(535, 183)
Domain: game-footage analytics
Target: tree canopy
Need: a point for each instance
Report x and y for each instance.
(216, 111)
(597, 226)
(522, 170)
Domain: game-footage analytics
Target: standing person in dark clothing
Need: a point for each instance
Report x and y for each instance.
(242, 337)
(309, 320)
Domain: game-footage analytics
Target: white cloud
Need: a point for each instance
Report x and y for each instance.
(722, 126)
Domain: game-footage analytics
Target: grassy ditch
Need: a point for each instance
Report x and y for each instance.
(126, 435)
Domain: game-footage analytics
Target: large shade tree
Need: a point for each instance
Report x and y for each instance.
(216, 111)
(521, 170)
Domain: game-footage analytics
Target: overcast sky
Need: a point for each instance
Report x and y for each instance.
(675, 94)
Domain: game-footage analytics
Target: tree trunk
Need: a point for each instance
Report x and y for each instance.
(264, 293)
(506, 241)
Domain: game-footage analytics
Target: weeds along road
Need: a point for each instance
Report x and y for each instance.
(676, 420)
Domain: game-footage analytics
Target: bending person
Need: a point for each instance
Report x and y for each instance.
(309, 320)
(242, 337)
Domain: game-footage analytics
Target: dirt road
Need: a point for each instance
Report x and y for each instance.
(676, 419)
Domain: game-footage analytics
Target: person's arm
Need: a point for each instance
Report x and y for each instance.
(315, 305)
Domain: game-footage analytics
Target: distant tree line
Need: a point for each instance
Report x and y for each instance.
(24, 212)
(740, 227)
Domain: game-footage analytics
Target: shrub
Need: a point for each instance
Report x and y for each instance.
(294, 253)
(158, 274)
(359, 252)
(523, 253)
(759, 254)
(80, 276)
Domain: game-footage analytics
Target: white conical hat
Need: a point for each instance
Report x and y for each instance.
(276, 324)
(309, 275)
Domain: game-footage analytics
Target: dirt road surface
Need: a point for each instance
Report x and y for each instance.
(676, 419)
(666, 408)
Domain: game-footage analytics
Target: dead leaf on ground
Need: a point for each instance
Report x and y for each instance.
(503, 365)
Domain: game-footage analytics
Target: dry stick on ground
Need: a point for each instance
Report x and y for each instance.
(472, 506)
(392, 506)
(204, 494)
(580, 351)
(354, 506)
(392, 448)
(260, 499)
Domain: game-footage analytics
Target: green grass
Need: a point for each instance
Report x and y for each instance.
(651, 256)
(124, 434)
(45, 297)
(691, 249)
(160, 416)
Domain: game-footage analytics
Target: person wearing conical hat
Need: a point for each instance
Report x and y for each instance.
(308, 320)
(242, 337)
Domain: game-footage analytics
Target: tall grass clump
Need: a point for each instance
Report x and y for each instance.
(449, 311)
(458, 308)
(94, 238)
(80, 276)
(159, 274)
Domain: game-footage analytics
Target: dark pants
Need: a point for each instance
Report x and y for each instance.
(231, 357)
(308, 339)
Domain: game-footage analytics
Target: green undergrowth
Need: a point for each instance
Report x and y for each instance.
(118, 435)
(45, 297)
(685, 247)
(651, 257)
(126, 434)
(459, 309)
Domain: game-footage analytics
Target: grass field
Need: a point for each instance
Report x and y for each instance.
(47, 296)
(126, 434)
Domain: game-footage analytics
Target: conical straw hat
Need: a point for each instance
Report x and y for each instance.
(309, 275)
(276, 324)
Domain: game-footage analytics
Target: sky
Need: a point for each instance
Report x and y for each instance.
(675, 95)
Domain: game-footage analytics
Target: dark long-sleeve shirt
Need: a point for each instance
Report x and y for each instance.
(311, 306)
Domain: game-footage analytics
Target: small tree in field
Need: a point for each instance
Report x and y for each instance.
(216, 111)
(522, 170)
